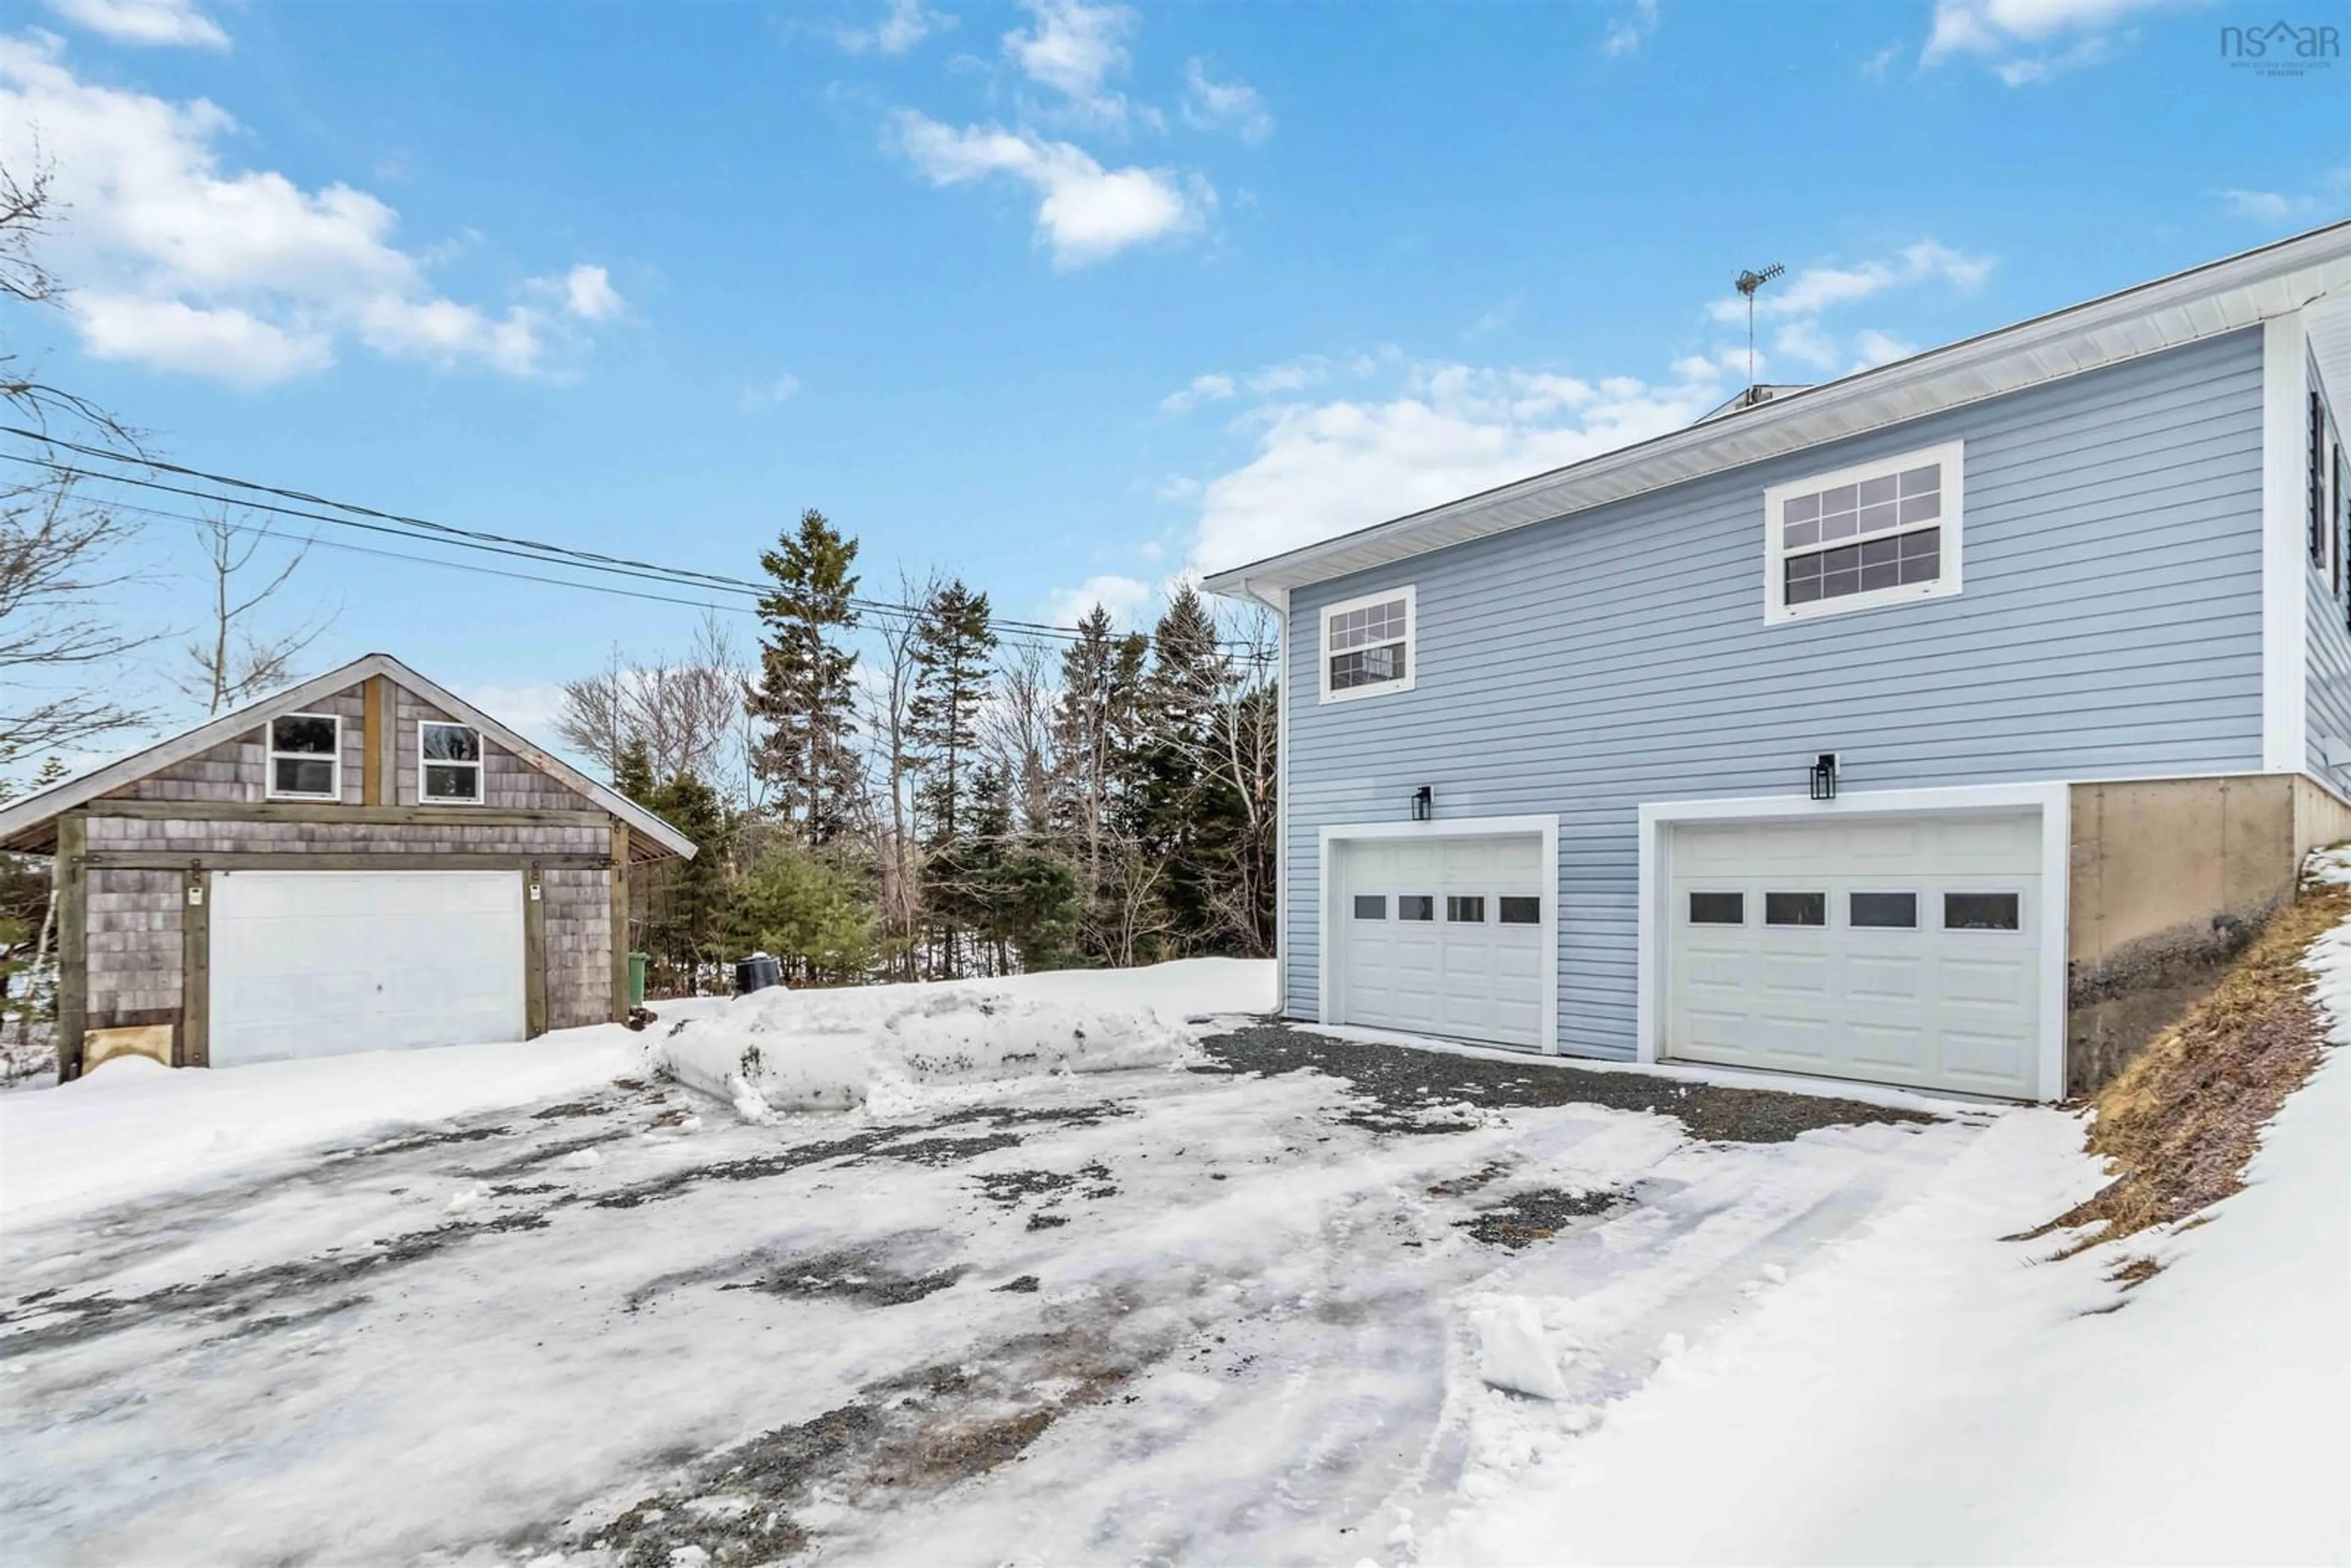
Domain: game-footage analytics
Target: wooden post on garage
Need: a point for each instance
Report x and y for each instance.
(196, 970)
(620, 920)
(379, 768)
(533, 953)
(71, 873)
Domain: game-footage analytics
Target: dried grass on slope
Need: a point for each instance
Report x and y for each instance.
(2179, 1122)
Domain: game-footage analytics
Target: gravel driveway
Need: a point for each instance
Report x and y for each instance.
(1207, 1314)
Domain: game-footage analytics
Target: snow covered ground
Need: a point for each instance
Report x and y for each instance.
(1268, 1298)
(1930, 1393)
(1215, 1310)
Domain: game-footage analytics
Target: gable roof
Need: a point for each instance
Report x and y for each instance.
(27, 825)
(2219, 297)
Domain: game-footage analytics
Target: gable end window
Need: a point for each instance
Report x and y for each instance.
(448, 764)
(305, 757)
(1368, 646)
(1878, 533)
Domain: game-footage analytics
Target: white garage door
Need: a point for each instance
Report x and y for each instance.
(1443, 937)
(315, 963)
(1902, 949)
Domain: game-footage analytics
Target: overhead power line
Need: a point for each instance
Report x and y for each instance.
(425, 529)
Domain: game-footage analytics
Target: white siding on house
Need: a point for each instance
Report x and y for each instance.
(2110, 626)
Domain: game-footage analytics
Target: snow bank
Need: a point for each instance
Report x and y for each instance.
(831, 1049)
(1930, 1393)
(133, 1126)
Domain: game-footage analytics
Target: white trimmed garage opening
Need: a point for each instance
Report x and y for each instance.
(1444, 929)
(1908, 937)
(319, 963)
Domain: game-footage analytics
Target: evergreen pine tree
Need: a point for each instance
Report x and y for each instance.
(804, 693)
(953, 650)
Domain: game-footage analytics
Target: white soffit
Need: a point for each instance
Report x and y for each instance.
(2221, 296)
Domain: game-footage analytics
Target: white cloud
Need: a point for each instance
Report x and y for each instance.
(1124, 597)
(903, 25)
(1876, 66)
(1805, 343)
(1075, 49)
(1448, 429)
(167, 22)
(2269, 206)
(1629, 31)
(1084, 212)
(1877, 347)
(2027, 41)
(589, 294)
(1213, 387)
(1212, 105)
(528, 709)
(227, 344)
(1817, 288)
(783, 389)
(243, 277)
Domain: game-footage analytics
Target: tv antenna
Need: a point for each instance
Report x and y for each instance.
(1747, 283)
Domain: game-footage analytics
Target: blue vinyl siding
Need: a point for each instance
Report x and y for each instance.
(2330, 643)
(2110, 624)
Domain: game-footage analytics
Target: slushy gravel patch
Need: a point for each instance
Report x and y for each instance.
(1527, 1217)
(1409, 1090)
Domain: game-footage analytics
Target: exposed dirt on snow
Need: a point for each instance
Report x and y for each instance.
(1430, 1092)
(1527, 1217)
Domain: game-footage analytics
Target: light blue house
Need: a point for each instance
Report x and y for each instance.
(1944, 726)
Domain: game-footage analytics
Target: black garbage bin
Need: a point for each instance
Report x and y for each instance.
(756, 973)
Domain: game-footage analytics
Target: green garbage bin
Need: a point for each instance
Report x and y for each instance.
(637, 962)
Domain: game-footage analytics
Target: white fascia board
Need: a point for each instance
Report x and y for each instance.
(1280, 603)
(2285, 596)
(2052, 799)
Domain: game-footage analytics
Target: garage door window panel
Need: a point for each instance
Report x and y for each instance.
(1518, 911)
(449, 764)
(305, 757)
(1371, 906)
(1417, 907)
(1983, 911)
(1467, 909)
(1717, 909)
(1878, 533)
(1368, 645)
(1883, 912)
(1796, 909)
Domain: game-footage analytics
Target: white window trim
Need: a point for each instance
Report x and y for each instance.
(481, 766)
(270, 754)
(1777, 612)
(1411, 643)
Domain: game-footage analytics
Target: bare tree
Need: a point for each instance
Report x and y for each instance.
(232, 662)
(684, 713)
(889, 700)
(1239, 750)
(1016, 732)
(28, 209)
(54, 632)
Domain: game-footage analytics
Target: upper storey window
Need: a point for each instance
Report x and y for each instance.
(1367, 645)
(1877, 533)
(305, 757)
(449, 764)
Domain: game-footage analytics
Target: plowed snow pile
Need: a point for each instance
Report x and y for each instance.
(829, 1051)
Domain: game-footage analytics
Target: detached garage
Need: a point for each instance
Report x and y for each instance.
(361, 863)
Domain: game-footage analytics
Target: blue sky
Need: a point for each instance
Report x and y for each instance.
(1065, 298)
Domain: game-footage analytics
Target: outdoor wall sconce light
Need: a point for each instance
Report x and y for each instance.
(1824, 776)
(1424, 803)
